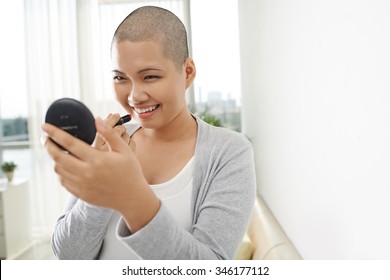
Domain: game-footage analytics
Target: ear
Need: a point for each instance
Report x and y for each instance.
(190, 70)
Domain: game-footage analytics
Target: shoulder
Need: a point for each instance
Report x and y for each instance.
(220, 137)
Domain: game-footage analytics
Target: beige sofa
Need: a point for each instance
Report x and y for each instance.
(265, 239)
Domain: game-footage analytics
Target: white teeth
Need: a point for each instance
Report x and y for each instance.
(144, 110)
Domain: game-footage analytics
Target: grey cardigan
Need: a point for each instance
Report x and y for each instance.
(223, 196)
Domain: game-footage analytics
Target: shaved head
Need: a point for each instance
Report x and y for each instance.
(155, 24)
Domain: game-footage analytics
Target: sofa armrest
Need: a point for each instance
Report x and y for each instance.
(269, 241)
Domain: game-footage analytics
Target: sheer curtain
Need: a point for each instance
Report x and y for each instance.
(52, 72)
(68, 55)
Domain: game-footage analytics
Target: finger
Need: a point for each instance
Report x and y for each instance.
(114, 140)
(112, 119)
(63, 158)
(99, 142)
(132, 145)
(54, 150)
(126, 138)
(120, 129)
(70, 187)
(74, 183)
(65, 174)
(70, 143)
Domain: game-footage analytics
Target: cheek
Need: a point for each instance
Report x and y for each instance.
(173, 93)
(121, 94)
(179, 83)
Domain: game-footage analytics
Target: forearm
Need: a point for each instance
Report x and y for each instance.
(173, 242)
(140, 207)
(80, 231)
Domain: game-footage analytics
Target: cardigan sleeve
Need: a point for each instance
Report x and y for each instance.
(80, 231)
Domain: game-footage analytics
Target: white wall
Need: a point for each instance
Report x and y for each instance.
(316, 104)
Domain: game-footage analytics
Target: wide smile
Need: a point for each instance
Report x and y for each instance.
(146, 109)
(145, 112)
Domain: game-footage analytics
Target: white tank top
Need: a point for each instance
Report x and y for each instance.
(176, 194)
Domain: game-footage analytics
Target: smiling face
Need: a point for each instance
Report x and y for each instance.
(149, 85)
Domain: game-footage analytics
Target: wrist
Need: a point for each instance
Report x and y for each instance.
(140, 209)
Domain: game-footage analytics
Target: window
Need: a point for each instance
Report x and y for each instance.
(215, 46)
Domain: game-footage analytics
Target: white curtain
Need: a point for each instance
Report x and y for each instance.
(68, 55)
(52, 72)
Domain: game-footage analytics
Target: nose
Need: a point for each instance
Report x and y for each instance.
(137, 94)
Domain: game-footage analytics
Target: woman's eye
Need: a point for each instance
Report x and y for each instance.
(118, 78)
(150, 77)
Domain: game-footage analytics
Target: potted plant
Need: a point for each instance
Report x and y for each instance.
(209, 118)
(8, 169)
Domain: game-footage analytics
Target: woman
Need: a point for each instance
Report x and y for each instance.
(169, 187)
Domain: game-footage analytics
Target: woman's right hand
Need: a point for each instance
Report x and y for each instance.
(111, 120)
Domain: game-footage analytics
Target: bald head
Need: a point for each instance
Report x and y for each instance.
(155, 24)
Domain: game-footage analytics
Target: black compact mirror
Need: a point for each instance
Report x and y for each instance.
(73, 117)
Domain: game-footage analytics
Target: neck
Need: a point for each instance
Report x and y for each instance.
(183, 126)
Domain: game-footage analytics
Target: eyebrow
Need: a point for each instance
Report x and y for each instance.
(117, 71)
(140, 71)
